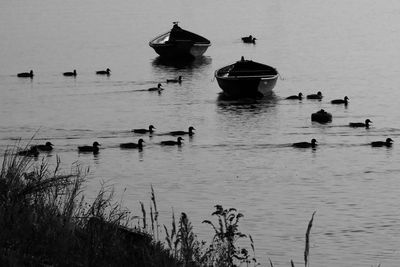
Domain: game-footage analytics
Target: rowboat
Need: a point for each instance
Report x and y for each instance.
(178, 43)
(247, 78)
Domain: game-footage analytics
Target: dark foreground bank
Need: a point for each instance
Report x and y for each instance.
(46, 221)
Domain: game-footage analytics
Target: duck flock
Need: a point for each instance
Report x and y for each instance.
(322, 116)
(34, 151)
(94, 148)
(106, 72)
(73, 73)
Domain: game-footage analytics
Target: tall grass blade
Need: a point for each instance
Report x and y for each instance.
(152, 221)
(153, 200)
(307, 246)
(143, 216)
(270, 262)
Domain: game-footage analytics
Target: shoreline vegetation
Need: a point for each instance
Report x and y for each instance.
(46, 221)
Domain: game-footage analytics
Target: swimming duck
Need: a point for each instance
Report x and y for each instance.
(70, 73)
(386, 143)
(189, 132)
(318, 95)
(179, 80)
(94, 148)
(299, 96)
(104, 72)
(306, 144)
(321, 116)
(172, 143)
(25, 74)
(32, 152)
(46, 147)
(360, 124)
(143, 131)
(340, 101)
(158, 88)
(138, 145)
(249, 39)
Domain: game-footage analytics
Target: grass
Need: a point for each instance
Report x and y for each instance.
(46, 221)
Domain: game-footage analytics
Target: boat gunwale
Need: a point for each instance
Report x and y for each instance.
(222, 74)
(173, 44)
(153, 42)
(263, 77)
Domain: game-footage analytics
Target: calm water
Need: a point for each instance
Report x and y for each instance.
(240, 155)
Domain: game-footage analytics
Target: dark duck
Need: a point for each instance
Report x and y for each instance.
(32, 152)
(25, 74)
(70, 73)
(360, 124)
(144, 131)
(294, 97)
(318, 95)
(387, 143)
(138, 145)
(249, 39)
(312, 144)
(103, 72)
(46, 147)
(158, 88)
(321, 116)
(94, 148)
(178, 142)
(189, 132)
(341, 101)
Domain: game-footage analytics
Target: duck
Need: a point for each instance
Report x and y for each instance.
(46, 147)
(340, 101)
(321, 116)
(143, 131)
(360, 124)
(189, 132)
(158, 88)
(299, 96)
(138, 145)
(172, 143)
(25, 74)
(104, 72)
(32, 152)
(70, 73)
(178, 80)
(306, 144)
(386, 143)
(249, 39)
(94, 148)
(318, 95)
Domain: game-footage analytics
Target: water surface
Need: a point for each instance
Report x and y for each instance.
(240, 155)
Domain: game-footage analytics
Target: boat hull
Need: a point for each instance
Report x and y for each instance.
(180, 49)
(244, 87)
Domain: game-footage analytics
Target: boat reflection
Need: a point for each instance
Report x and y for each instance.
(246, 105)
(183, 63)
